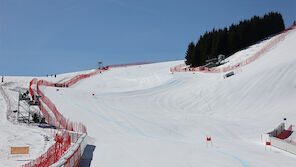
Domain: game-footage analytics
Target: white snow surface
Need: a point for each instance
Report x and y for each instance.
(145, 116)
(13, 134)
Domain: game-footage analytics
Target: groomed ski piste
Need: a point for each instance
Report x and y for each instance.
(145, 116)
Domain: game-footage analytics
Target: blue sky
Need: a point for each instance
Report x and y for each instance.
(39, 37)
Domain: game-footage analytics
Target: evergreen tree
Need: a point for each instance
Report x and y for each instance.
(189, 53)
(230, 40)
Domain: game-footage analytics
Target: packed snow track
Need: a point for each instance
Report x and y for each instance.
(145, 116)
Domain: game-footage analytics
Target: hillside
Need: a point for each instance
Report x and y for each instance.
(145, 116)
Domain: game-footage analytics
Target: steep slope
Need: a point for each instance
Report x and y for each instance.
(145, 116)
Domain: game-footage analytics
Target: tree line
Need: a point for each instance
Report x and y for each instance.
(229, 40)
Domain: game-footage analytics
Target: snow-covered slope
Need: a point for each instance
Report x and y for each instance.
(16, 135)
(13, 134)
(146, 116)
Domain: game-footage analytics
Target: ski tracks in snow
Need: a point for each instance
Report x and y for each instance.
(130, 126)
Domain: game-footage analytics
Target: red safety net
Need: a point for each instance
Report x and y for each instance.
(270, 44)
(129, 64)
(59, 120)
(77, 78)
(63, 142)
(54, 153)
(74, 159)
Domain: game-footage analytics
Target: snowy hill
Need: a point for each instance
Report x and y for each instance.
(145, 116)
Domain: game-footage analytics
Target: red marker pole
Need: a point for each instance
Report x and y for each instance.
(268, 143)
(209, 139)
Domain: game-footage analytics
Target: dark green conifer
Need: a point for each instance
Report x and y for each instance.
(230, 40)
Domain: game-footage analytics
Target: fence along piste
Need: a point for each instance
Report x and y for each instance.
(63, 141)
(270, 44)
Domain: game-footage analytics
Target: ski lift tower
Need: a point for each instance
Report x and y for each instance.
(100, 64)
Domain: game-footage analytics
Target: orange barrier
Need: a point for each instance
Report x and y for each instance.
(270, 44)
(19, 150)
